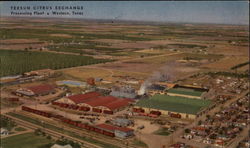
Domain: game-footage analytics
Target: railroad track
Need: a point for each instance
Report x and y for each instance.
(88, 134)
(51, 132)
(85, 133)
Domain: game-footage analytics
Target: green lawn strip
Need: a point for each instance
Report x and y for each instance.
(61, 130)
(19, 129)
(27, 140)
(139, 143)
(162, 131)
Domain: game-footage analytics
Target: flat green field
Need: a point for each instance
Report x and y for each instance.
(28, 140)
(162, 131)
(175, 104)
(18, 62)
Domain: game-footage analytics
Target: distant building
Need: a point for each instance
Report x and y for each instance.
(120, 132)
(122, 122)
(188, 92)
(42, 72)
(61, 146)
(71, 83)
(124, 92)
(93, 101)
(37, 90)
(156, 89)
(91, 81)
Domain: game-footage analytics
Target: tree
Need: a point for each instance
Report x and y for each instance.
(213, 136)
(37, 131)
(199, 123)
(187, 130)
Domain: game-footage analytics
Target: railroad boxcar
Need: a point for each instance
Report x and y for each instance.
(175, 115)
(108, 112)
(13, 99)
(83, 108)
(158, 113)
(138, 110)
(97, 110)
(153, 115)
(108, 133)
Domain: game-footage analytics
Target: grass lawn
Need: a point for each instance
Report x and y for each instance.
(28, 140)
(139, 143)
(162, 131)
(19, 129)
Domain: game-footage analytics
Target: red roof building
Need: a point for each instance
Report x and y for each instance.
(94, 101)
(101, 101)
(82, 98)
(121, 132)
(43, 89)
(119, 103)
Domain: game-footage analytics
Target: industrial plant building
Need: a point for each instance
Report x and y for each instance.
(42, 72)
(71, 83)
(173, 106)
(122, 122)
(188, 92)
(37, 90)
(156, 89)
(124, 92)
(93, 101)
(120, 132)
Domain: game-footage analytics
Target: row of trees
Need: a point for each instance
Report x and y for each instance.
(61, 141)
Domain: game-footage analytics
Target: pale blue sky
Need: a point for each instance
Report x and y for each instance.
(222, 12)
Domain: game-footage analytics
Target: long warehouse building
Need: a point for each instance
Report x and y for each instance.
(173, 106)
(94, 101)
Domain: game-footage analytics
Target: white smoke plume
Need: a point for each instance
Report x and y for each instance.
(165, 73)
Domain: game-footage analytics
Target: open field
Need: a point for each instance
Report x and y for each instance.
(203, 44)
(28, 140)
(227, 63)
(106, 74)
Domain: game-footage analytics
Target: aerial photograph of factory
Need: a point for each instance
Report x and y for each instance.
(124, 74)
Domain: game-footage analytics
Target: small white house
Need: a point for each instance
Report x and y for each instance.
(60, 146)
(4, 132)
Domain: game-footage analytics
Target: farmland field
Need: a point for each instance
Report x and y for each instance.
(18, 62)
